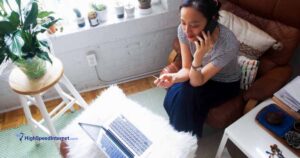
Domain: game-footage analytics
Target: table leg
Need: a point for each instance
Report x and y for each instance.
(45, 114)
(222, 145)
(74, 92)
(28, 114)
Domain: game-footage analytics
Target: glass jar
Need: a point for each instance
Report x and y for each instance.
(92, 16)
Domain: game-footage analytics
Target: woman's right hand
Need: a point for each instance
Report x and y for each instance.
(165, 80)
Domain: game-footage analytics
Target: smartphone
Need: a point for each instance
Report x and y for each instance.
(210, 26)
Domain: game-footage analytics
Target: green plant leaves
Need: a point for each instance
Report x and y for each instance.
(15, 44)
(43, 55)
(50, 23)
(19, 30)
(30, 18)
(14, 18)
(6, 27)
(44, 14)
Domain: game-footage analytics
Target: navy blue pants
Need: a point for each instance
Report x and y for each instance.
(187, 106)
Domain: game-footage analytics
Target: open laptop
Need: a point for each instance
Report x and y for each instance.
(119, 138)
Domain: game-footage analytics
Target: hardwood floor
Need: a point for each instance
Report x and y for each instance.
(16, 118)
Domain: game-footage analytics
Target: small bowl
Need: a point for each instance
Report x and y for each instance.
(274, 118)
(297, 126)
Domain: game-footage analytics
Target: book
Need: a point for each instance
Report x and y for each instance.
(290, 94)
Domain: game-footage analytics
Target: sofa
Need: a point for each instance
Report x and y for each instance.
(278, 18)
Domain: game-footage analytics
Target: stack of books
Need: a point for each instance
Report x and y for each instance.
(290, 94)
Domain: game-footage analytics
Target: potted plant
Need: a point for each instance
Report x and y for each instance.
(18, 37)
(101, 11)
(145, 6)
(129, 9)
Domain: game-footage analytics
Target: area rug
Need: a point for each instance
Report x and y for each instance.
(166, 141)
(12, 147)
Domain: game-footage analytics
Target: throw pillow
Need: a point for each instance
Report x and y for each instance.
(249, 69)
(249, 35)
(249, 52)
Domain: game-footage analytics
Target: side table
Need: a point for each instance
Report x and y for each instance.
(250, 137)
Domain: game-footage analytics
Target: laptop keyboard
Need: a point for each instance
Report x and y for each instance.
(133, 137)
(111, 149)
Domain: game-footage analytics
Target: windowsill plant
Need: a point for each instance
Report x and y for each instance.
(101, 11)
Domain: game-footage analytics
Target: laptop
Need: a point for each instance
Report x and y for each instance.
(119, 138)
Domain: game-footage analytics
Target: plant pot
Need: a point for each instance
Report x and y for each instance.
(129, 10)
(119, 11)
(145, 7)
(102, 16)
(34, 68)
(145, 4)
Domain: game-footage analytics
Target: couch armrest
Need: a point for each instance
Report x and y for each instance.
(172, 57)
(269, 83)
(174, 63)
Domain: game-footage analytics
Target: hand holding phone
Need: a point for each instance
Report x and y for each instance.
(203, 46)
(210, 26)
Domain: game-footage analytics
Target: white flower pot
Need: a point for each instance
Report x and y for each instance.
(129, 10)
(120, 11)
(102, 16)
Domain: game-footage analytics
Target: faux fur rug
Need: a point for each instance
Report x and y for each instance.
(167, 143)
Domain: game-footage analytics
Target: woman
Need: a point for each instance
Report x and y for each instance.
(210, 73)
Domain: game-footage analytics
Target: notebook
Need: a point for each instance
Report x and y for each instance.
(119, 138)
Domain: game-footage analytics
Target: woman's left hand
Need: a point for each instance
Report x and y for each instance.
(204, 45)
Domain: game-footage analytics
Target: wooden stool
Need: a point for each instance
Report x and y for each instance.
(31, 91)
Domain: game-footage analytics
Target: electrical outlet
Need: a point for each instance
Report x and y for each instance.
(91, 59)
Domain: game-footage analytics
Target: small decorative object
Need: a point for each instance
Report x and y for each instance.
(92, 16)
(80, 19)
(119, 7)
(297, 126)
(129, 10)
(275, 151)
(18, 37)
(101, 11)
(293, 139)
(145, 7)
(53, 28)
(274, 118)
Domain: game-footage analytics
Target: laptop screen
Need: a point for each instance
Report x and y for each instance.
(118, 136)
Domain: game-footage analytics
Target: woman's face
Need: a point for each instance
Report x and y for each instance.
(192, 22)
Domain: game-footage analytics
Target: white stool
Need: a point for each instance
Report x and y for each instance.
(31, 91)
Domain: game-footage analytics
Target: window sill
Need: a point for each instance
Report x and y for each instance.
(72, 28)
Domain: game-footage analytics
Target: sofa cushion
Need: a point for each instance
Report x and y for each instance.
(247, 33)
(249, 69)
(287, 35)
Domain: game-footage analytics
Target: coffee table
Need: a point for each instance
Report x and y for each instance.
(250, 137)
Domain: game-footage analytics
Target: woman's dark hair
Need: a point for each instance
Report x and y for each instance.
(209, 8)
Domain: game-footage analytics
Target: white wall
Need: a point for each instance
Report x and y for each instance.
(125, 50)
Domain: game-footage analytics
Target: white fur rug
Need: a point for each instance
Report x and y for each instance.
(167, 143)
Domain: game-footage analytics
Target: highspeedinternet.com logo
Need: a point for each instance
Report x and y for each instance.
(21, 136)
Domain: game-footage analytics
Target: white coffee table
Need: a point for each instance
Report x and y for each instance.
(250, 137)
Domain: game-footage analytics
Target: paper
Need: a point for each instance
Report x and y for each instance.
(290, 94)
